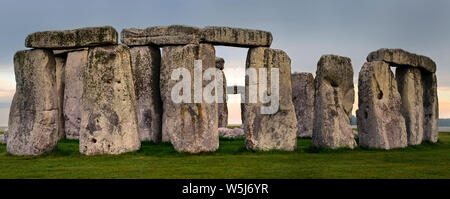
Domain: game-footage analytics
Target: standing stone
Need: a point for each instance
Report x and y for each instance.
(145, 63)
(2, 139)
(33, 119)
(83, 37)
(431, 107)
(108, 116)
(380, 122)
(409, 81)
(60, 66)
(277, 131)
(76, 63)
(303, 98)
(190, 127)
(333, 103)
(222, 108)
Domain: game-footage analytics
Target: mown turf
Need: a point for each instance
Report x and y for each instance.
(232, 160)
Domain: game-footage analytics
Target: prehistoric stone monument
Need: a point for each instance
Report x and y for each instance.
(397, 111)
(333, 103)
(303, 98)
(222, 108)
(78, 82)
(270, 131)
(82, 84)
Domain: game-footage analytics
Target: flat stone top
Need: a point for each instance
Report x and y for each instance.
(77, 38)
(400, 57)
(182, 35)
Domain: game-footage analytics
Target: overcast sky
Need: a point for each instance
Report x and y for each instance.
(304, 29)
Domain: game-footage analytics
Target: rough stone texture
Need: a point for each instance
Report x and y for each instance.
(60, 66)
(145, 63)
(108, 116)
(409, 81)
(399, 57)
(303, 98)
(380, 122)
(270, 131)
(83, 37)
(33, 118)
(64, 52)
(161, 35)
(220, 63)
(333, 103)
(191, 127)
(431, 107)
(237, 37)
(222, 108)
(231, 133)
(76, 63)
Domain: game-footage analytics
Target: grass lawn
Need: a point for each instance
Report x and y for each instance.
(232, 160)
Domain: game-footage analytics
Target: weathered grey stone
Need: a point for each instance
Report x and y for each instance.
(33, 118)
(270, 131)
(237, 37)
(431, 107)
(191, 127)
(303, 98)
(409, 81)
(231, 133)
(333, 103)
(60, 66)
(399, 57)
(76, 63)
(220, 63)
(222, 108)
(64, 52)
(161, 35)
(145, 63)
(380, 122)
(2, 139)
(108, 116)
(83, 37)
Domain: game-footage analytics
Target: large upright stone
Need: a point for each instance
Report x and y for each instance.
(33, 119)
(108, 116)
(399, 57)
(222, 108)
(145, 63)
(161, 35)
(237, 37)
(380, 121)
(60, 67)
(276, 131)
(190, 127)
(303, 98)
(76, 63)
(431, 107)
(409, 81)
(83, 37)
(333, 103)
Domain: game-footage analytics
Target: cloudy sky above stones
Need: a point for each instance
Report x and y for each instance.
(304, 29)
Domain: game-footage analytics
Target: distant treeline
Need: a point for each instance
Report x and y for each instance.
(442, 122)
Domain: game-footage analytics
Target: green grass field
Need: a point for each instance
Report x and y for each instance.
(232, 160)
